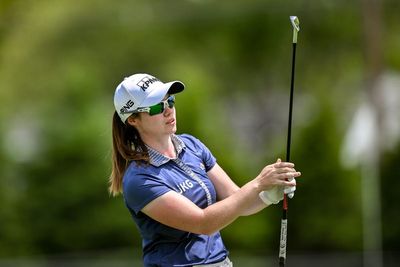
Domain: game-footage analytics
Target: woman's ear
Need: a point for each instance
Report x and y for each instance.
(132, 120)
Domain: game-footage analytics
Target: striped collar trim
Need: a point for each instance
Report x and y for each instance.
(157, 159)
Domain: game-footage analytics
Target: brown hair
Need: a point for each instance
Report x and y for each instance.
(127, 147)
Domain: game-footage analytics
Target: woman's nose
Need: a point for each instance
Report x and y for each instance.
(167, 110)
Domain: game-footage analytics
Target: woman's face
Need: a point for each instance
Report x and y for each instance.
(155, 126)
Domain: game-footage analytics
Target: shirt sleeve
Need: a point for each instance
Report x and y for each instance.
(200, 149)
(140, 189)
(208, 158)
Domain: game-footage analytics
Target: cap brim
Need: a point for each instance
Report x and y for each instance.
(157, 95)
(175, 87)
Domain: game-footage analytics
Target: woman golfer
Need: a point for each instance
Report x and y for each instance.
(177, 194)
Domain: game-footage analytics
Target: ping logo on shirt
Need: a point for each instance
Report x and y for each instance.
(146, 81)
(202, 166)
(182, 187)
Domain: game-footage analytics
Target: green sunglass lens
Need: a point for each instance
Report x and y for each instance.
(156, 109)
(159, 108)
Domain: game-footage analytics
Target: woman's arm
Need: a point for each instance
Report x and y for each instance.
(177, 211)
(223, 184)
(225, 187)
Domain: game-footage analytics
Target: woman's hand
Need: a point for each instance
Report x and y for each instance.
(274, 194)
(277, 174)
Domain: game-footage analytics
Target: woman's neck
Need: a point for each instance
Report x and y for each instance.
(164, 146)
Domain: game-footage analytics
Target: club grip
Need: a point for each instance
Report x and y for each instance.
(282, 243)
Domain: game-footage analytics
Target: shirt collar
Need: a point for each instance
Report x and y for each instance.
(157, 159)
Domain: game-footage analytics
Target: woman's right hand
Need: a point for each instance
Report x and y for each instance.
(277, 174)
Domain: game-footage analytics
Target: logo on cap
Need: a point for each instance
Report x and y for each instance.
(146, 81)
(126, 107)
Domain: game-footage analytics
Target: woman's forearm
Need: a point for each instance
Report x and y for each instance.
(244, 201)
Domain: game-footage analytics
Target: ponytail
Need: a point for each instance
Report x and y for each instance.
(127, 147)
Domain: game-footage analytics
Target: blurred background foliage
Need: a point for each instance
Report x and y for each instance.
(60, 62)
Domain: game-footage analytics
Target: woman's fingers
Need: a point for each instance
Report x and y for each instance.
(288, 175)
(287, 183)
(283, 164)
(284, 170)
(279, 173)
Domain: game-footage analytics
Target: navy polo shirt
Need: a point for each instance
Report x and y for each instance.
(164, 245)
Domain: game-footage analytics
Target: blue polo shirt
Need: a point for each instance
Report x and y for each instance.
(164, 245)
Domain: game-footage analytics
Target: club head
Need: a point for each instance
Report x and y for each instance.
(296, 27)
(295, 23)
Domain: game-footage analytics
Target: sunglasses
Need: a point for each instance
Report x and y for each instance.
(158, 108)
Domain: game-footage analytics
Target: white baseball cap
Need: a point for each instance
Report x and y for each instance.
(142, 90)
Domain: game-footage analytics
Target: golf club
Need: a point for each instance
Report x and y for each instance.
(283, 237)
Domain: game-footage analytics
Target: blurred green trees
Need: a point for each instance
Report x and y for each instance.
(59, 65)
